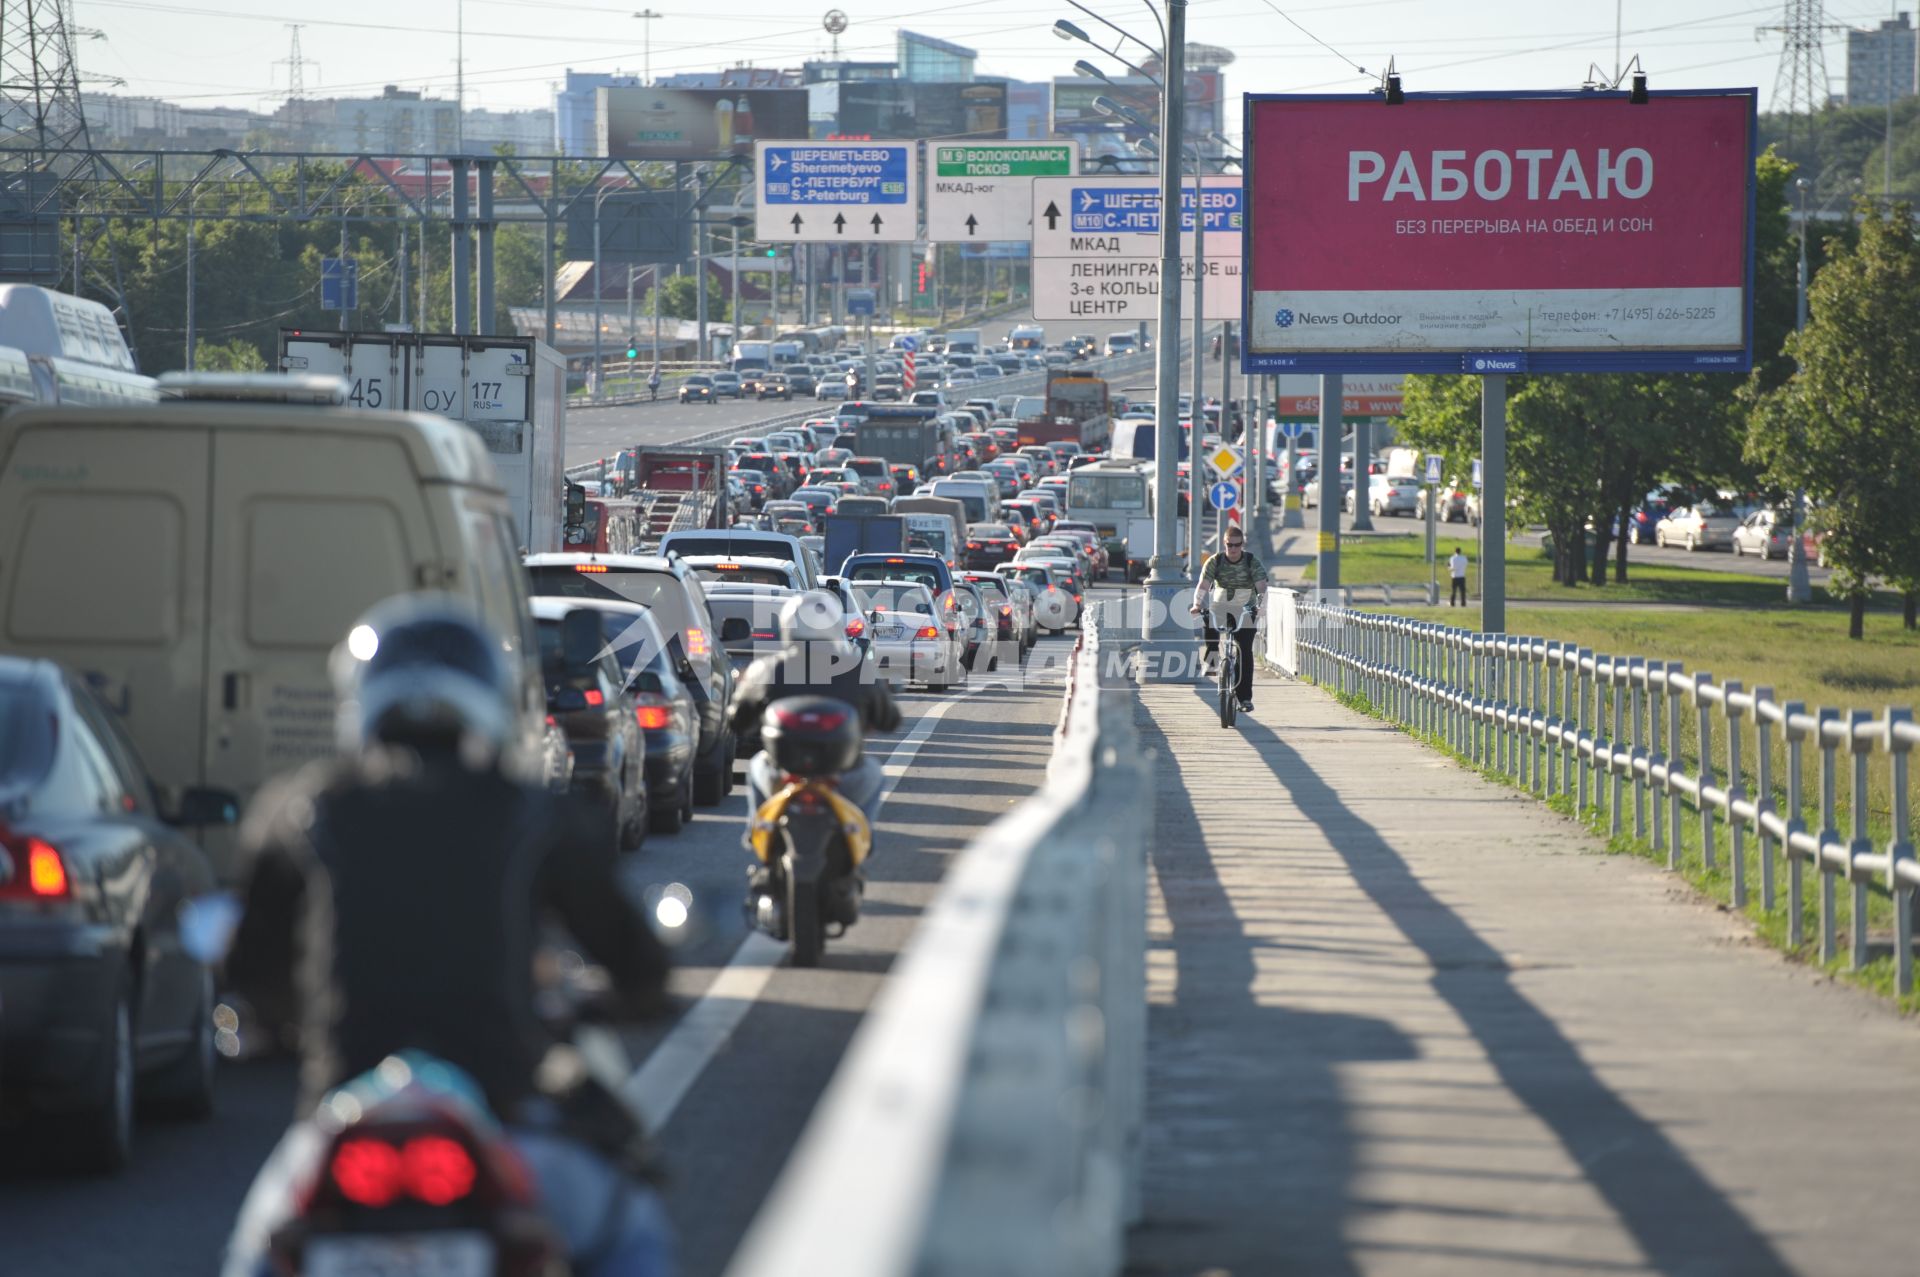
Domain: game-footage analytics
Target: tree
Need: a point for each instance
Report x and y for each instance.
(1842, 425)
(237, 355)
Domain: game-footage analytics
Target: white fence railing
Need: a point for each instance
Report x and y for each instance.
(1559, 719)
(988, 1116)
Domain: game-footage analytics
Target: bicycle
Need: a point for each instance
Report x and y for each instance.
(1229, 663)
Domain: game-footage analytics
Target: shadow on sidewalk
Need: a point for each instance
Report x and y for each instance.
(1680, 1220)
(1250, 1143)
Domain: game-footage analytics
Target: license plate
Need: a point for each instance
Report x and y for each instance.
(401, 1255)
(888, 631)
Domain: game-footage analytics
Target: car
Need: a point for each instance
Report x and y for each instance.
(727, 384)
(1022, 518)
(1645, 519)
(1063, 574)
(1046, 461)
(830, 389)
(751, 443)
(982, 652)
(747, 617)
(832, 458)
(672, 592)
(1704, 525)
(1090, 541)
(817, 499)
(989, 545)
(717, 569)
(102, 1005)
(875, 474)
(905, 478)
(756, 486)
(1450, 503)
(1766, 534)
(1387, 495)
(800, 381)
(770, 385)
(926, 569)
(1012, 632)
(1121, 344)
(850, 606)
(1310, 495)
(586, 697)
(910, 642)
(697, 389)
(734, 543)
(1006, 477)
(1052, 606)
(750, 380)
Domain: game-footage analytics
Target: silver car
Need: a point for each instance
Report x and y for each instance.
(1705, 526)
(1766, 534)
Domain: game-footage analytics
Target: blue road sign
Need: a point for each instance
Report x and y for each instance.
(1224, 496)
(861, 301)
(1125, 210)
(910, 343)
(339, 283)
(1476, 472)
(1433, 467)
(1293, 429)
(801, 175)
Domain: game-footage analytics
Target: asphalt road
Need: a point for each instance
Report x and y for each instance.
(735, 1119)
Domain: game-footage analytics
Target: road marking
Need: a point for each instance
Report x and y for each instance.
(663, 1080)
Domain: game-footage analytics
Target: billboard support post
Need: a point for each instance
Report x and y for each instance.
(1327, 563)
(1165, 580)
(1493, 503)
(1196, 546)
(1362, 479)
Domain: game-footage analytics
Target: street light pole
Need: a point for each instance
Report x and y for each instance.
(646, 17)
(1799, 587)
(1166, 580)
(599, 296)
(1195, 542)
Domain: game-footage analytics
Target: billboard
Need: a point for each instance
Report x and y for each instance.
(635, 226)
(652, 123)
(1546, 232)
(907, 109)
(1379, 395)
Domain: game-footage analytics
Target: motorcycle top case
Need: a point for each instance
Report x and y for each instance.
(812, 736)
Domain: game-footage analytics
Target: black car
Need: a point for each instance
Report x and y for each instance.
(773, 385)
(801, 381)
(697, 389)
(101, 1001)
(672, 593)
(663, 705)
(586, 697)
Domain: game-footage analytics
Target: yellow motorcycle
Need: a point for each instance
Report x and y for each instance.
(810, 838)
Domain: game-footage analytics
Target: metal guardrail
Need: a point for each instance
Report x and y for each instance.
(1560, 719)
(988, 1116)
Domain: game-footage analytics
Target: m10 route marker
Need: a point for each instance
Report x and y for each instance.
(836, 192)
(982, 191)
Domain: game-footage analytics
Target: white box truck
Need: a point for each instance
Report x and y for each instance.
(511, 391)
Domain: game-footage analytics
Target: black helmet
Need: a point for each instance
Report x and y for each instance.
(424, 670)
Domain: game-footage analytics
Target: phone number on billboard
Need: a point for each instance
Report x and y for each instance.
(1629, 313)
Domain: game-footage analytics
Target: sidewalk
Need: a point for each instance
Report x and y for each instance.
(1403, 1021)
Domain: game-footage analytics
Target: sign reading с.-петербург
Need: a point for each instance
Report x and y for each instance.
(982, 192)
(837, 192)
(1096, 246)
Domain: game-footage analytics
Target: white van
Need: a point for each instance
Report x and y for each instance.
(198, 562)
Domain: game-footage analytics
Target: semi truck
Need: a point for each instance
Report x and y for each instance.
(1076, 411)
(511, 391)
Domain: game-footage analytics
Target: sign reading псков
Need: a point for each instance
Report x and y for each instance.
(837, 192)
(1478, 233)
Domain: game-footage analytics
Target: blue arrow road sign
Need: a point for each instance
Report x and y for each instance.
(1224, 496)
(1123, 210)
(339, 283)
(910, 343)
(801, 175)
(861, 301)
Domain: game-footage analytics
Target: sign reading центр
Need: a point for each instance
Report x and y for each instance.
(1539, 232)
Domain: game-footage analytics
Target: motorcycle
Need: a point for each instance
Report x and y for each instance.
(809, 838)
(405, 1169)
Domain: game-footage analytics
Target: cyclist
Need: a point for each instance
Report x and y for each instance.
(395, 902)
(1229, 581)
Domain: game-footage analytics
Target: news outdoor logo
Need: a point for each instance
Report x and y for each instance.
(1283, 317)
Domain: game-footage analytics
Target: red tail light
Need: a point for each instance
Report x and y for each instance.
(654, 714)
(1006, 609)
(595, 696)
(39, 872)
(812, 720)
(973, 545)
(856, 627)
(434, 1169)
(926, 632)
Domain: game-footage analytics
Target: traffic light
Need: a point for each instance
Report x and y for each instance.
(773, 252)
(633, 349)
(923, 277)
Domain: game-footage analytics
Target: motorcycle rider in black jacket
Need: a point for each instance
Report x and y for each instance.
(395, 900)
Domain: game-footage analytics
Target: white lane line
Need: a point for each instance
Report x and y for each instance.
(658, 1085)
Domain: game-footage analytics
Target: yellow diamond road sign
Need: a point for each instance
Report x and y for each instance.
(1226, 461)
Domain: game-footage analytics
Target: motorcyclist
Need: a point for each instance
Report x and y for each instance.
(395, 899)
(815, 660)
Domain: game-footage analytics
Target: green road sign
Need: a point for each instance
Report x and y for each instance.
(1006, 159)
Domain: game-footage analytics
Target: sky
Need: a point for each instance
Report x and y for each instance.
(234, 52)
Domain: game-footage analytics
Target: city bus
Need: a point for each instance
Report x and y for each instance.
(1116, 497)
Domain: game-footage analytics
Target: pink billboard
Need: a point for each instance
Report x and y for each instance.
(1550, 232)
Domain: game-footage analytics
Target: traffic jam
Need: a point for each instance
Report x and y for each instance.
(188, 747)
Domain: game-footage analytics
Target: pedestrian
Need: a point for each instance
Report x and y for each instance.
(1457, 569)
(653, 382)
